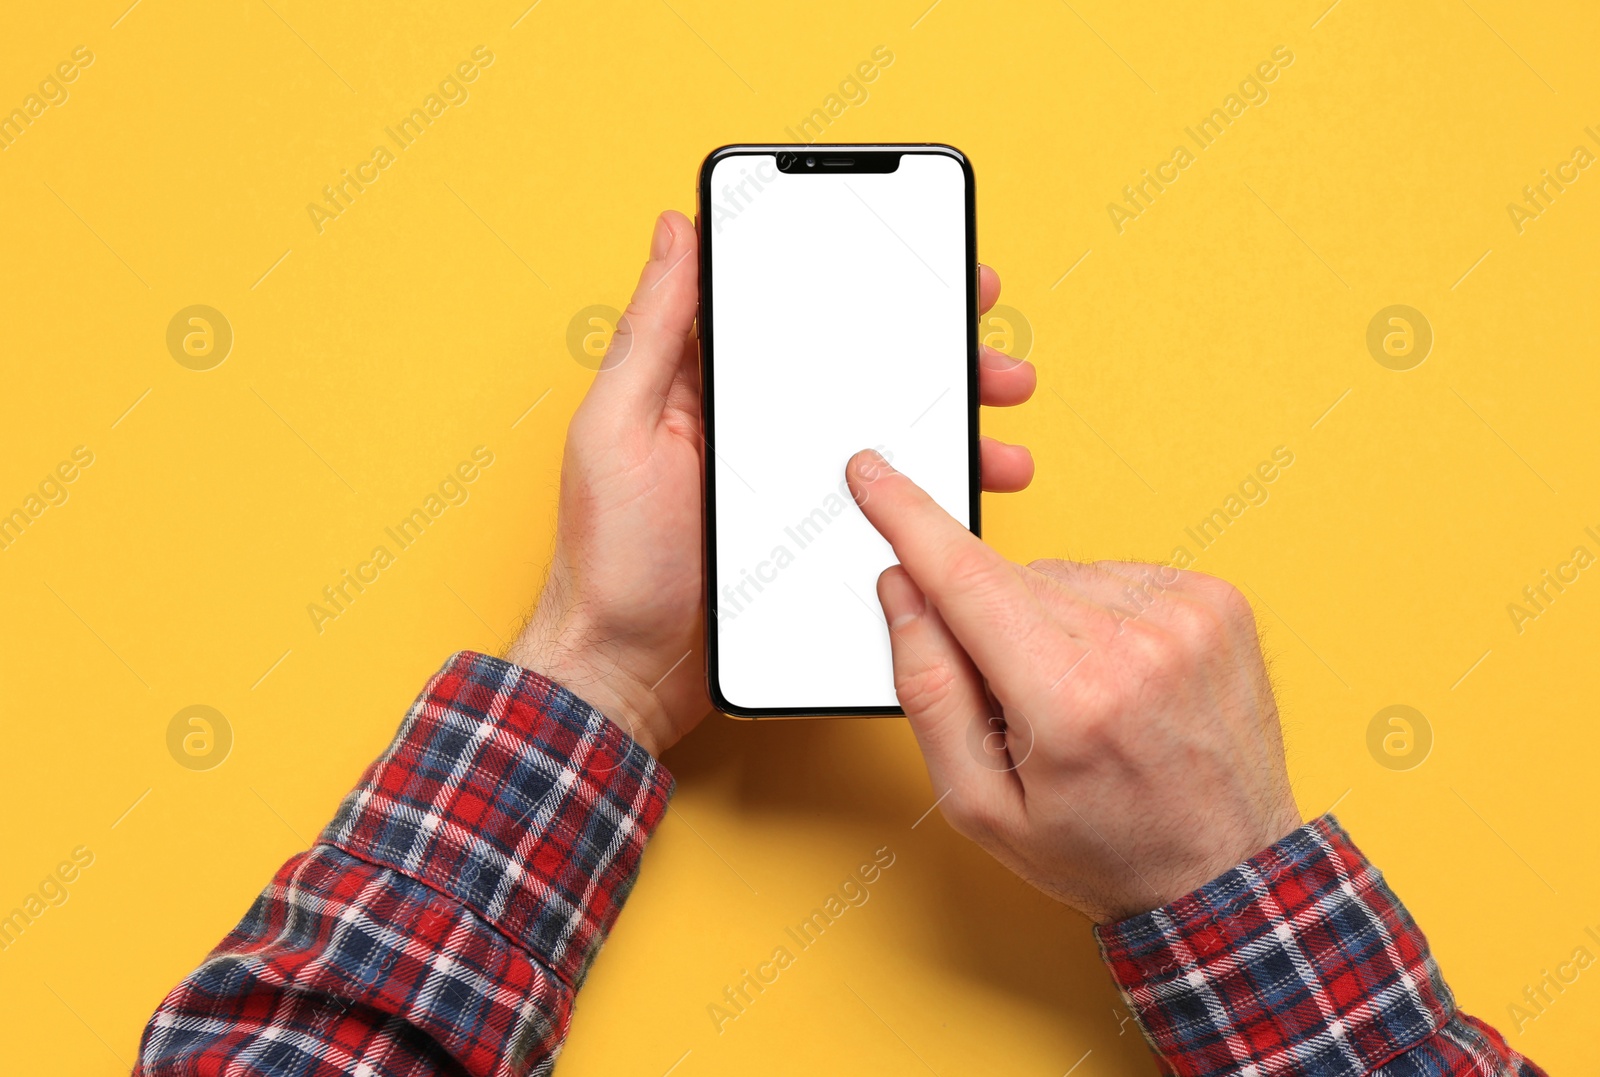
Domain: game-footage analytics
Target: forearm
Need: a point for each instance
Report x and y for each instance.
(1299, 961)
(448, 914)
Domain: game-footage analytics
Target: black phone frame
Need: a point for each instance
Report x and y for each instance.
(830, 158)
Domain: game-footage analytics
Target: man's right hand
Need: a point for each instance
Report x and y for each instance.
(1106, 731)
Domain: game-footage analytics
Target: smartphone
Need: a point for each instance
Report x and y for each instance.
(838, 311)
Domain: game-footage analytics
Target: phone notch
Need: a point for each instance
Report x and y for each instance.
(819, 160)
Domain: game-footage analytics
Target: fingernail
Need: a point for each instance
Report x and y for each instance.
(871, 465)
(902, 600)
(661, 241)
(995, 359)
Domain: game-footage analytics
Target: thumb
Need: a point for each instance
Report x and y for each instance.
(962, 741)
(647, 347)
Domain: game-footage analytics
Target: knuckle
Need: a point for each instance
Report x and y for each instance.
(1200, 627)
(1154, 660)
(1223, 595)
(1236, 608)
(1148, 647)
(626, 328)
(923, 687)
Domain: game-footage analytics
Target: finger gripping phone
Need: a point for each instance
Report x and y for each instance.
(839, 311)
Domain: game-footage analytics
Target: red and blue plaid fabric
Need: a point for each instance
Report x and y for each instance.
(1299, 961)
(447, 915)
(445, 919)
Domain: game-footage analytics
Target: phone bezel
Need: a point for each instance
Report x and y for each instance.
(708, 394)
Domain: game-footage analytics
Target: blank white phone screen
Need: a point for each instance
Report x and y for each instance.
(839, 323)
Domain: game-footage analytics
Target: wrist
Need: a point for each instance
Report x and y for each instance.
(595, 672)
(1159, 886)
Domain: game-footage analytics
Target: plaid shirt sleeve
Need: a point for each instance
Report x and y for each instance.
(1299, 961)
(446, 917)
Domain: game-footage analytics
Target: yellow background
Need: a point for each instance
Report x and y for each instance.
(429, 317)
